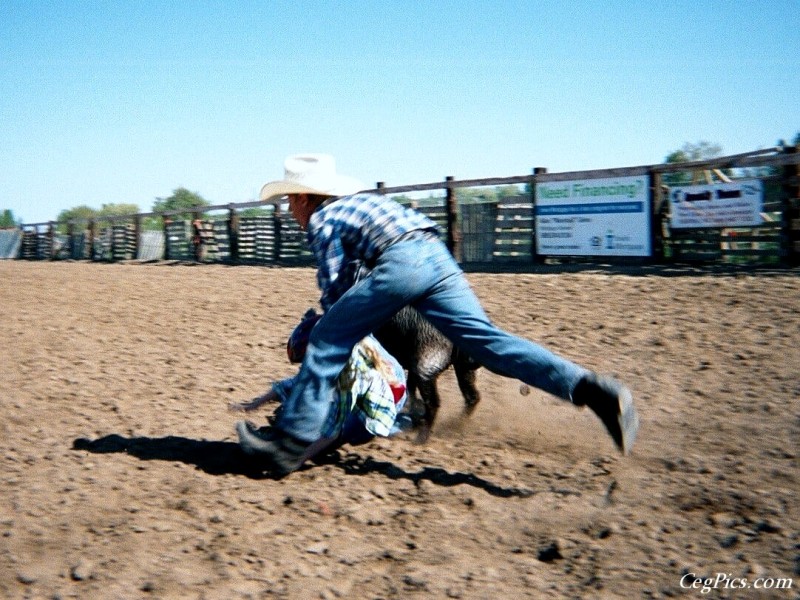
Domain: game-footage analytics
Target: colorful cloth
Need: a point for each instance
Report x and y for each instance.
(369, 394)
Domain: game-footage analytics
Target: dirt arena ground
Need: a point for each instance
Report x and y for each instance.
(121, 477)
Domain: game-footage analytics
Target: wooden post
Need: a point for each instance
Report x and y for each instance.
(791, 210)
(536, 172)
(51, 239)
(137, 236)
(380, 185)
(112, 252)
(277, 228)
(21, 253)
(198, 251)
(167, 244)
(71, 240)
(655, 213)
(92, 236)
(453, 230)
(233, 233)
(197, 239)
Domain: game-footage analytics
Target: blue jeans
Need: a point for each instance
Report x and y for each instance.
(424, 274)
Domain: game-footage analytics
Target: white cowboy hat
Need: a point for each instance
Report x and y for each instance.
(311, 174)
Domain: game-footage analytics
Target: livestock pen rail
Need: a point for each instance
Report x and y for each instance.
(634, 214)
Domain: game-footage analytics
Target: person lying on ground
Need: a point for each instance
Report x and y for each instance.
(367, 401)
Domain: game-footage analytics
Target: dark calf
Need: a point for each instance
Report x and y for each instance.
(425, 353)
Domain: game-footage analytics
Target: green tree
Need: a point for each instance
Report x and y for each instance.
(506, 191)
(689, 153)
(795, 141)
(117, 210)
(466, 195)
(181, 200)
(7, 220)
(83, 214)
(476, 195)
(256, 211)
(78, 213)
(692, 152)
(488, 194)
(403, 199)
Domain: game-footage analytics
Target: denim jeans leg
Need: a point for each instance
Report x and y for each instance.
(398, 278)
(453, 308)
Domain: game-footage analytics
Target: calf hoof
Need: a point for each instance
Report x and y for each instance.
(423, 434)
(469, 409)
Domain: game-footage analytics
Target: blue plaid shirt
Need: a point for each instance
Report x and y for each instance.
(352, 230)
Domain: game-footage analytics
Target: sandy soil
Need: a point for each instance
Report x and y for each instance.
(121, 478)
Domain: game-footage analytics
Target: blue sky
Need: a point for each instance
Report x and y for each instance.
(124, 101)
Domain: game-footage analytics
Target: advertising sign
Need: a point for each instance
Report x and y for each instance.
(735, 204)
(593, 217)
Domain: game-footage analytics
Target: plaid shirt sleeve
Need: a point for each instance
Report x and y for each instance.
(352, 229)
(329, 252)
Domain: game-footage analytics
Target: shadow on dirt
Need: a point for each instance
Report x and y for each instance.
(214, 458)
(226, 458)
(357, 465)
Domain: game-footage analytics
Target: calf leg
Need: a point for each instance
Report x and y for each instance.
(414, 406)
(430, 401)
(466, 376)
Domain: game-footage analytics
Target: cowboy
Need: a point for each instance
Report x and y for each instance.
(409, 265)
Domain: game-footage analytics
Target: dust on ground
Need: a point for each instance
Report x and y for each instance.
(121, 477)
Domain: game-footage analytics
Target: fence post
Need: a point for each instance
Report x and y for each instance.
(197, 239)
(453, 230)
(233, 233)
(277, 226)
(92, 236)
(791, 209)
(535, 259)
(166, 221)
(198, 251)
(71, 240)
(656, 217)
(51, 239)
(112, 250)
(137, 236)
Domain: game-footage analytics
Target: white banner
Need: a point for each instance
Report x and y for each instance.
(593, 217)
(736, 204)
